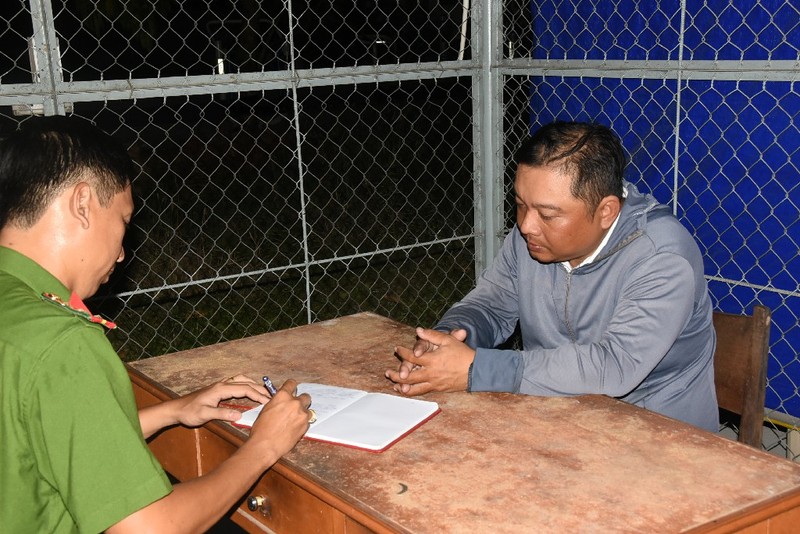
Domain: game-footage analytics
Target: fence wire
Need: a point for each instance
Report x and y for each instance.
(304, 160)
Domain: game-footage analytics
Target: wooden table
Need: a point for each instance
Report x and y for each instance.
(488, 462)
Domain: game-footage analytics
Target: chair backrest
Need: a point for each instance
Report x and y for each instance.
(740, 367)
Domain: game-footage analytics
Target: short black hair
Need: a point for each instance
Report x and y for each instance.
(46, 155)
(591, 154)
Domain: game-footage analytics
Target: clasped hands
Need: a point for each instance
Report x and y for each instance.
(438, 362)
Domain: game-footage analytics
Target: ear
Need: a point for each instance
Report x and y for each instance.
(80, 203)
(608, 210)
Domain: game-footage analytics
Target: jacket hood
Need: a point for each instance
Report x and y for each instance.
(637, 210)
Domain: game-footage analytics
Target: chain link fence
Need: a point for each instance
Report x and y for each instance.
(706, 100)
(303, 160)
(292, 169)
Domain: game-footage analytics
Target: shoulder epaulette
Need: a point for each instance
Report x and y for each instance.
(77, 307)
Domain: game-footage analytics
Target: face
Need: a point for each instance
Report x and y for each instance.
(106, 230)
(557, 226)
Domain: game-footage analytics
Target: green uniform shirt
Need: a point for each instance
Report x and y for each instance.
(72, 454)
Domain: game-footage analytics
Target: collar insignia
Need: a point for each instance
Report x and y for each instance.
(77, 307)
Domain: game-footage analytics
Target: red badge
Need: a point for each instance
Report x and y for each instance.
(77, 306)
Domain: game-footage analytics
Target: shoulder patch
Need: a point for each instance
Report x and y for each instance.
(79, 311)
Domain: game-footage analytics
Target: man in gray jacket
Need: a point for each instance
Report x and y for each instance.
(605, 283)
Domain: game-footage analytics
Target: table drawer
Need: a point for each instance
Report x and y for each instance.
(175, 450)
(280, 505)
(284, 507)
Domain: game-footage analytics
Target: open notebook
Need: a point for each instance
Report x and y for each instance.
(356, 418)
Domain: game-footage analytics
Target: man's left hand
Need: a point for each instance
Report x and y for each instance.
(201, 406)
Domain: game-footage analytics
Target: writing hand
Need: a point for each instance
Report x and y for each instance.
(283, 420)
(438, 362)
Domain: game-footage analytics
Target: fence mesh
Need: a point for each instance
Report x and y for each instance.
(706, 101)
(304, 160)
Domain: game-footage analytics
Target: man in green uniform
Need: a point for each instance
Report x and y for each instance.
(73, 456)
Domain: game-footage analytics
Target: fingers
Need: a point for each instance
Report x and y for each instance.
(305, 400)
(226, 414)
(241, 386)
(410, 358)
(239, 379)
(290, 387)
(421, 347)
(434, 337)
(282, 421)
(240, 390)
(420, 374)
(408, 362)
(460, 334)
(410, 382)
(413, 389)
(429, 340)
(434, 364)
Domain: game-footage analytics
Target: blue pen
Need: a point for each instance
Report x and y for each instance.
(269, 386)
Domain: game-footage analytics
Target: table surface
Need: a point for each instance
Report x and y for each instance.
(496, 461)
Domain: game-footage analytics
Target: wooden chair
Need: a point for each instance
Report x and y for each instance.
(740, 366)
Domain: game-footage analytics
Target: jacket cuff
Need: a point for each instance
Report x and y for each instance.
(495, 370)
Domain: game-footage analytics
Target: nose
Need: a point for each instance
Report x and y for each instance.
(529, 223)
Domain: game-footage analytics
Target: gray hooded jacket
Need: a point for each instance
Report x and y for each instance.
(636, 323)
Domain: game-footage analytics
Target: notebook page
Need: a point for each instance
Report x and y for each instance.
(325, 401)
(374, 421)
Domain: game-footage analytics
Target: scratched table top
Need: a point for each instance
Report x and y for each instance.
(501, 462)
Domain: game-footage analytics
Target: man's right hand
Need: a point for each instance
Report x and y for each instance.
(282, 421)
(195, 505)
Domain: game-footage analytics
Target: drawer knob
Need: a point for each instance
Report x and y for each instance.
(258, 502)
(255, 502)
